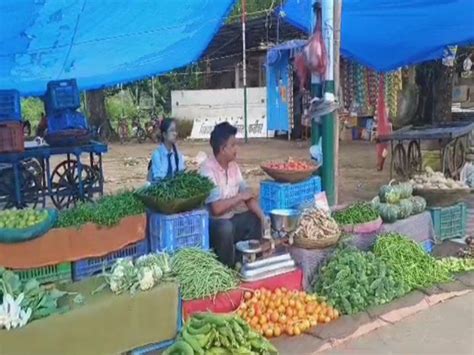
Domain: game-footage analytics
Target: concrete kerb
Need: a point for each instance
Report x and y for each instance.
(347, 328)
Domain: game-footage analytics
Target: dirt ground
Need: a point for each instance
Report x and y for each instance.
(126, 165)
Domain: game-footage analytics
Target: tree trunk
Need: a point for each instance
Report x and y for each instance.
(435, 82)
(98, 113)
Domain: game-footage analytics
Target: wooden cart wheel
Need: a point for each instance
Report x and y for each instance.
(399, 160)
(458, 158)
(65, 184)
(31, 190)
(415, 160)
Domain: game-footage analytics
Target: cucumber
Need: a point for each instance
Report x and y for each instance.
(179, 348)
(193, 343)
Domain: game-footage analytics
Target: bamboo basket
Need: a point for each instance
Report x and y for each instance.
(307, 243)
(442, 198)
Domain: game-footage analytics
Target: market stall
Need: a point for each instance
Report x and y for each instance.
(406, 157)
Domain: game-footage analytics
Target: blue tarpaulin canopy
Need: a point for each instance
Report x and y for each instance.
(101, 42)
(388, 34)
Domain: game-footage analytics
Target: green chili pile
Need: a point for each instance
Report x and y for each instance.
(354, 280)
(106, 212)
(411, 264)
(218, 334)
(200, 274)
(182, 186)
(356, 213)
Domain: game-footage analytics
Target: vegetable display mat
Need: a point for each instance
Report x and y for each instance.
(70, 244)
(229, 301)
(104, 324)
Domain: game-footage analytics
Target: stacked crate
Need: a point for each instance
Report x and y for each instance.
(11, 129)
(277, 195)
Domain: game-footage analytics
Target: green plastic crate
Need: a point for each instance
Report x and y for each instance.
(449, 222)
(46, 274)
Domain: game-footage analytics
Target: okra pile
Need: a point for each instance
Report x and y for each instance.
(182, 186)
(106, 212)
(212, 334)
(411, 264)
(356, 213)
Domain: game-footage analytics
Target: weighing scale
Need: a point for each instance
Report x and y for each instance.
(270, 257)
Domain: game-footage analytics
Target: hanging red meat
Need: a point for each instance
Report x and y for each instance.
(301, 70)
(314, 57)
(315, 50)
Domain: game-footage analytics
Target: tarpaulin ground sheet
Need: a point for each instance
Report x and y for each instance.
(105, 324)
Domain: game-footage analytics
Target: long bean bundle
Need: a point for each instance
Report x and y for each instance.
(200, 274)
(411, 264)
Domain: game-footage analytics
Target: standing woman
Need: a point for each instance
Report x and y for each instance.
(166, 160)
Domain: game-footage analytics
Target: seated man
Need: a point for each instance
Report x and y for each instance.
(234, 212)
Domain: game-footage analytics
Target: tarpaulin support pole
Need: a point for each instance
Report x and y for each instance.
(244, 66)
(328, 126)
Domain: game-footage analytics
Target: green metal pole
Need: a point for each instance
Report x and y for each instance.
(327, 129)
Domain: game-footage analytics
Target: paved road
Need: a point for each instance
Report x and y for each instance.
(446, 328)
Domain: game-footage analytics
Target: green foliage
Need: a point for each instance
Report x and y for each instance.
(31, 110)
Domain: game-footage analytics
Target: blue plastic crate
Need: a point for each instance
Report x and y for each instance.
(86, 268)
(172, 232)
(65, 120)
(275, 195)
(427, 245)
(10, 108)
(449, 222)
(62, 95)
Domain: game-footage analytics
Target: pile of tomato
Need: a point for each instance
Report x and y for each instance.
(293, 165)
(284, 312)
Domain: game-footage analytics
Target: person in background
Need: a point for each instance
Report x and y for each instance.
(26, 128)
(234, 211)
(166, 160)
(42, 126)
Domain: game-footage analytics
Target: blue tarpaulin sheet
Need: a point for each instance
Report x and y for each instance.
(388, 34)
(101, 42)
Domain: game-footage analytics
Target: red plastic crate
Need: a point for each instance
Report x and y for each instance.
(11, 137)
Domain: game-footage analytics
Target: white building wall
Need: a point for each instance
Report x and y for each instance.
(209, 107)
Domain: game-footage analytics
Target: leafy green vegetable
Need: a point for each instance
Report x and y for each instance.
(42, 300)
(107, 211)
(356, 213)
(182, 186)
(411, 264)
(354, 280)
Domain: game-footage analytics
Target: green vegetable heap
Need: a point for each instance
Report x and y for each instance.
(411, 264)
(43, 301)
(22, 219)
(395, 201)
(356, 213)
(201, 275)
(354, 280)
(182, 186)
(456, 264)
(213, 334)
(107, 211)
